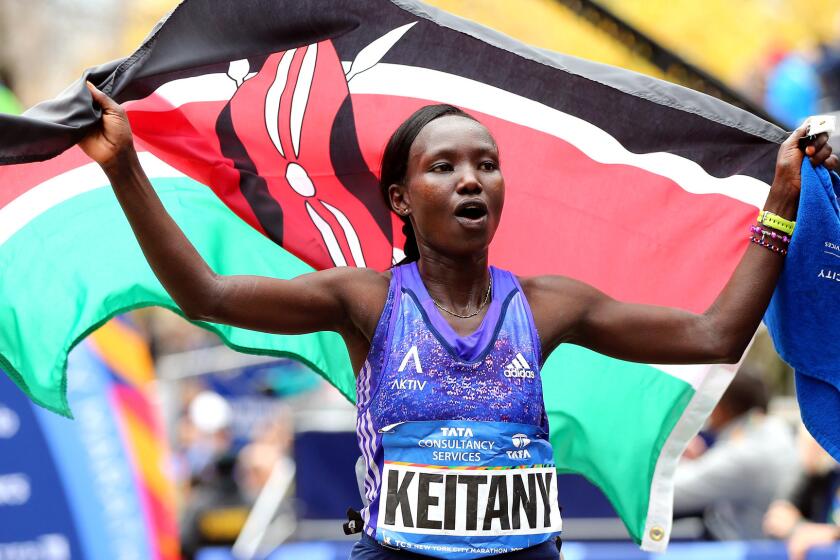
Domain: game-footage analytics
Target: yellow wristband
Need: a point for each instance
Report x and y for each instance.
(776, 222)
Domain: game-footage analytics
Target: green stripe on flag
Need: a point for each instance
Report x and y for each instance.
(78, 264)
(614, 428)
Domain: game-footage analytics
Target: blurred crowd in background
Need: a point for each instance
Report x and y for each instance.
(753, 473)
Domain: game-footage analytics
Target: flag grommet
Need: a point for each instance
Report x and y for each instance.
(657, 533)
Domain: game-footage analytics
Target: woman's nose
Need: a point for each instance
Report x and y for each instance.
(468, 183)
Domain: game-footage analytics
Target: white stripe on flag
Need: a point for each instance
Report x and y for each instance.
(693, 374)
(422, 83)
(55, 190)
(659, 520)
(435, 86)
(206, 88)
(432, 85)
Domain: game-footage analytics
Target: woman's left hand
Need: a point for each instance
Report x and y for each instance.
(784, 194)
(820, 153)
(789, 159)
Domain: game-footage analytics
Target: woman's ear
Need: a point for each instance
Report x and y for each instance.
(400, 201)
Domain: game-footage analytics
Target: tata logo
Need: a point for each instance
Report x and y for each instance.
(519, 454)
(457, 432)
(14, 489)
(520, 441)
(9, 423)
(407, 385)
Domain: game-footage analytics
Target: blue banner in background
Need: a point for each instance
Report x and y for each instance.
(35, 518)
(67, 487)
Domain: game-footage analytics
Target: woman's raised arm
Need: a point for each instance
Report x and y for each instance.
(566, 310)
(313, 302)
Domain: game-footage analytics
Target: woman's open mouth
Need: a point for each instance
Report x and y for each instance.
(471, 211)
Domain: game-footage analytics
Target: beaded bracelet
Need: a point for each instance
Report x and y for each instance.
(760, 241)
(771, 234)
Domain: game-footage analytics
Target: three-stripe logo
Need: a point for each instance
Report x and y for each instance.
(518, 368)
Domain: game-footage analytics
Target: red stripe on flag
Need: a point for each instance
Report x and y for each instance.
(17, 179)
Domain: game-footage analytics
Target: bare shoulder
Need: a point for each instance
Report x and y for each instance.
(557, 304)
(368, 281)
(538, 288)
(363, 292)
(351, 284)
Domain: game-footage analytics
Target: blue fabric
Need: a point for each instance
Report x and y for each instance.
(803, 317)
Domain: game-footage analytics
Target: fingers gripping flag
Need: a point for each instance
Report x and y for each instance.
(263, 140)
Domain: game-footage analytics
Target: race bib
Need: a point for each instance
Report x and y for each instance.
(460, 489)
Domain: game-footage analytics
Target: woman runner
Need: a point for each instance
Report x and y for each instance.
(447, 348)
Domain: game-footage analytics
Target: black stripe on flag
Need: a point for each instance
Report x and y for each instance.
(643, 113)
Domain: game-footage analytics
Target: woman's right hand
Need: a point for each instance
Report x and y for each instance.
(112, 139)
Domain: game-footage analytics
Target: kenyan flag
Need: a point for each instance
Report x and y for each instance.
(261, 125)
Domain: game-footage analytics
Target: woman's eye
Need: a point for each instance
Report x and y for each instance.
(441, 167)
(489, 165)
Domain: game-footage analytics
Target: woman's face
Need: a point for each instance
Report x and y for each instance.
(453, 190)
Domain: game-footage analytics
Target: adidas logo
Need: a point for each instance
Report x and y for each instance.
(519, 368)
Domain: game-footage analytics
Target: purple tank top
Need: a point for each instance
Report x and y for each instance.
(420, 372)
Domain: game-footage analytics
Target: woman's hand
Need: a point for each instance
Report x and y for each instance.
(112, 138)
(784, 194)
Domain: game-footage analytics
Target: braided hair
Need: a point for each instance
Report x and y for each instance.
(395, 162)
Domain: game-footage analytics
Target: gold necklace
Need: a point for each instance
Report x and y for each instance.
(477, 311)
